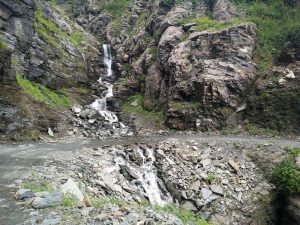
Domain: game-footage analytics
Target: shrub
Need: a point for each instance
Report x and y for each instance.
(286, 177)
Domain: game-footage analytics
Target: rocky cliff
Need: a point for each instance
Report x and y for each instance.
(51, 55)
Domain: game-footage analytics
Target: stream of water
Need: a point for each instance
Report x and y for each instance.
(100, 104)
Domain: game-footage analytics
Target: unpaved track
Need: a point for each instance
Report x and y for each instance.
(17, 159)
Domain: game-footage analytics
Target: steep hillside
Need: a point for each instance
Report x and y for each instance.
(203, 64)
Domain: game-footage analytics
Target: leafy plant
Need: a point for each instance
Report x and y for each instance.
(293, 152)
(286, 177)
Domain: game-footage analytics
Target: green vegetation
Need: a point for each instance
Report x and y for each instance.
(41, 187)
(276, 24)
(77, 37)
(207, 23)
(186, 216)
(3, 45)
(47, 30)
(184, 105)
(286, 177)
(98, 202)
(43, 94)
(116, 7)
(211, 178)
(293, 152)
(83, 90)
(257, 130)
(134, 104)
(69, 200)
(126, 67)
(153, 52)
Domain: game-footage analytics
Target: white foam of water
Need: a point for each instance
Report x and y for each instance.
(100, 104)
(148, 178)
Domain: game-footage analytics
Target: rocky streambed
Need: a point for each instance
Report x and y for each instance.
(135, 183)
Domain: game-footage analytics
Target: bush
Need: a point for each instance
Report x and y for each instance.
(286, 177)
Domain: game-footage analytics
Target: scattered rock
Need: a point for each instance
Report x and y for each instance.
(217, 189)
(234, 165)
(24, 194)
(53, 199)
(71, 187)
(206, 193)
(189, 206)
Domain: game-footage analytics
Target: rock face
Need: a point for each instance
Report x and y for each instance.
(39, 43)
(197, 78)
(210, 71)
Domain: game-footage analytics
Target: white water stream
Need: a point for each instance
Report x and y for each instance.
(149, 180)
(100, 104)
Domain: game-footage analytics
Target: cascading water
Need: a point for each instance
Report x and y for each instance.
(149, 181)
(100, 104)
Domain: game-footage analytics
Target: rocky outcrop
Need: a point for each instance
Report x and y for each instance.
(42, 45)
(212, 69)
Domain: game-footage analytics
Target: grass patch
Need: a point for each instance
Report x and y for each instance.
(116, 7)
(47, 30)
(153, 51)
(276, 24)
(69, 200)
(134, 104)
(184, 105)
(43, 94)
(187, 217)
(293, 153)
(3, 45)
(98, 202)
(77, 37)
(83, 90)
(37, 187)
(257, 130)
(207, 23)
(211, 178)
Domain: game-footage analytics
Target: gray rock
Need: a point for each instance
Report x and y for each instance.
(206, 193)
(217, 189)
(24, 194)
(189, 206)
(206, 163)
(77, 108)
(53, 199)
(234, 165)
(51, 221)
(41, 194)
(71, 187)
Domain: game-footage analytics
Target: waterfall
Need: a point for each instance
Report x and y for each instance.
(149, 181)
(100, 104)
